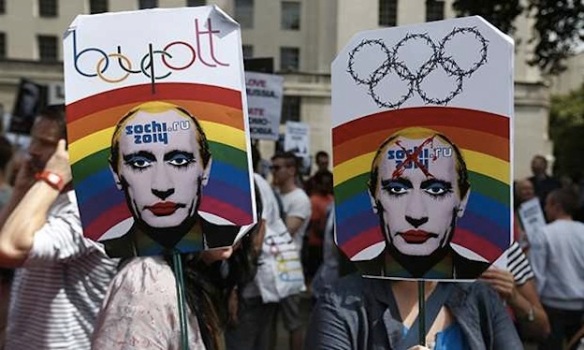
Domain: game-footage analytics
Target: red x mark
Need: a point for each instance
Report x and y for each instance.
(412, 157)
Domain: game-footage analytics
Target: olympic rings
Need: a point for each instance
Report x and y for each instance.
(414, 79)
(99, 70)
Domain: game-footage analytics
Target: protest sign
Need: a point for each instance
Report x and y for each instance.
(297, 139)
(532, 220)
(157, 129)
(422, 131)
(264, 104)
(31, 98)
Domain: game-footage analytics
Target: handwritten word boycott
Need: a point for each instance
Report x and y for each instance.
(171, 58)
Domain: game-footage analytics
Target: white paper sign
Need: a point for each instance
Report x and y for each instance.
(297, 139)
(422, 140)
(264, 104)
(156, 101)
(533, 219)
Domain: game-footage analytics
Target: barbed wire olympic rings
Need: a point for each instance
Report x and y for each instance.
(392, 64)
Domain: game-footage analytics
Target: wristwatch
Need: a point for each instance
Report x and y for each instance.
(52, 179)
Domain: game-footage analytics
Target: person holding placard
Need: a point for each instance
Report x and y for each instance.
(367, 314)
(543, 183)
(297, 209)
(140, 310)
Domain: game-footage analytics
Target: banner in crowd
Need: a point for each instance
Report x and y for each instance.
(157, 129)
(264, 104)
(30, 100)
(422, 132)
(297, 139)
(532, 219)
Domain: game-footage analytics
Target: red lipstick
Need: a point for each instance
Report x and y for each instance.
(417, 236)
(163, 208)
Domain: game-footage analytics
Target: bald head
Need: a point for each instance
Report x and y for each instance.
(524, 190)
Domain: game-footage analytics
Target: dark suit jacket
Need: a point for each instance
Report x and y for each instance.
(465, 268)
(214, 236)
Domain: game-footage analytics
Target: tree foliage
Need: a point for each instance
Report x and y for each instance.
(501, 13)
(559, 25)
(566, 131)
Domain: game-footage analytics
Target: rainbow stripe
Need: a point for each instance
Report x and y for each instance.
(90, 125)
(484, 140)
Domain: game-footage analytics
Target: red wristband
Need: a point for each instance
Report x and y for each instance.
(52, 179)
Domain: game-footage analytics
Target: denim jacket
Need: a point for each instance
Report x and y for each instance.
(354, 315)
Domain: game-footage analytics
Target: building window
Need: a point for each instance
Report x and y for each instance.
(98, 6)
(289, 59)
(2, 46)
(2, 7)
(195, 3)
(48, 8)
(434, 10)
(47, 48)
(247, 51)
(290, 109)
(290, 15)
(244, 13)
(388, 13)
(147, 4)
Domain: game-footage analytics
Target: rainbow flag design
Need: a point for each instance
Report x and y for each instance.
(90, 125)
(484, 140)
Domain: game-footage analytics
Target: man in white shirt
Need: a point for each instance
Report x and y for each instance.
(558, 264)
(297, 209)
(61, 277)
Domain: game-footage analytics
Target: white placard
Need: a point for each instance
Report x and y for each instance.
(532, 219)
(422, 148)
(297, 139)
(264, 104)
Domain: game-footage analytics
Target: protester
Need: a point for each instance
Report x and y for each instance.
(360, 313)
(516, 286)
(140, 310)
(558, 261)
(296, 207)
(524, 191)
(61, 277)
(322, 164)
(543, 183)
(320, 201)
(329, 271)
(251, 328)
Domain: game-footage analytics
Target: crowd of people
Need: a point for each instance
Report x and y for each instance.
(60, 290)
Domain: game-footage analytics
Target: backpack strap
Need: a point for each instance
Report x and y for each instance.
(280, 205)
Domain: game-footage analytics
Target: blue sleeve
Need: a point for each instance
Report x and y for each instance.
(504, 332)
(327, 328)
